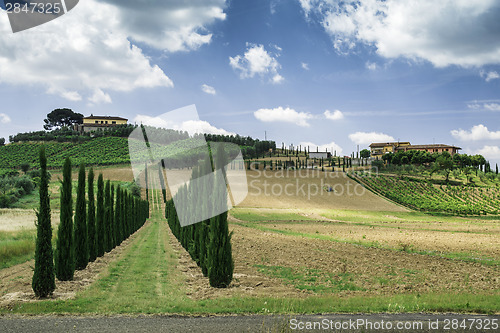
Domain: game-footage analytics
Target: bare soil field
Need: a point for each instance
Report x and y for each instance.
(322, 266)
(471, 237)
(305, 189)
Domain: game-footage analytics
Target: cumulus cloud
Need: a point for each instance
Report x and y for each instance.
(488, 76)
(190, 126)
(99, 97)
(332, 147)
(4, 119)
(208, 89)
(335, 115)
(90, 51)
(257, 61)
(490, 152)
(362, 138)
(281, 114)
(477, 132)
(448, 32)
(168, 25)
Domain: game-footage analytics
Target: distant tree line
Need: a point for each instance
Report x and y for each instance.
(250, 148)
(66, 134)
(443, 162)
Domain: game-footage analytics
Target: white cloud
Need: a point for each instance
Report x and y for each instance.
(168, 25)
(257, 61)
(447, 32)
(208, 89)
(335, 115)
(477, 132)
(492, 106)
(488, 76)
(474, 106)
(490, 152)
(90, 52)
(190, 126)
(281, 114)
(99, 97)
(332, 147)
(305, 66)
(4, 119)
(371, 65)
(362, 138)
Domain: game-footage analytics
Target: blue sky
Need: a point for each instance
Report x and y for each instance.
(320, 72)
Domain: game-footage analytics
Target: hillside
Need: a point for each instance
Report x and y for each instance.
(98, 151)
(101, 151)
(422, 195)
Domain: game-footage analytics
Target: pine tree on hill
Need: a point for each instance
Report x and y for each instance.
(43, 282)
(65, 252)
(91, 229)
(81, 244)
(100, 227)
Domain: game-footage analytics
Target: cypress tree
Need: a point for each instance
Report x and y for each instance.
(220, 259)
(124, 214)
(496, 168)
(203, 239)
(81, 245)
(112, 218)
(162, 183)
(146, 180)
(65, 252)
(107, 219)
(43, 282)
(100, 230)
(118, 220)
(91, 232)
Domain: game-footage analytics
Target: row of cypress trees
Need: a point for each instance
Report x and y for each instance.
(209, 241)
(93, 232)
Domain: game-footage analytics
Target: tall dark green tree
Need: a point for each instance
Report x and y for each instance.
(107, 217)
(100, 227)
(220, 259)
(118, 219)
(43, 282)
(91, 230)
(162, 182)
(65, 252)
(146, 180)
(81, 243)
(112, 217)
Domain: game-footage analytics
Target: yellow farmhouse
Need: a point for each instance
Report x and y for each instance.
(97, 123)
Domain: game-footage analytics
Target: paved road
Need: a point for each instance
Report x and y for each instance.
(255, 323)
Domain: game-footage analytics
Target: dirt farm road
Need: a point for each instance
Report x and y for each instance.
(255, 323)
